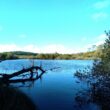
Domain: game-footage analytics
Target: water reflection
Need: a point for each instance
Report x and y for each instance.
(13, 99)
(57, 90)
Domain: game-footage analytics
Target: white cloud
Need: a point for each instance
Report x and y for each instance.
(53, 48)
(30, 48)
(99, 16)
(57, 48)
(14, 47)
(8, 47)
(102, 4)
(33, 48)
(102, 37)
(99, 41)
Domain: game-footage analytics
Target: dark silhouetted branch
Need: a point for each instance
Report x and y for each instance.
(31, 74)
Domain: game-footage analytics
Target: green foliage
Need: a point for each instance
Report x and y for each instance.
(80, 56)
(47, 56)
(23, 53)
(98, 52)
(105, 56)
(7, 55)
(98, 78)
(29, 55)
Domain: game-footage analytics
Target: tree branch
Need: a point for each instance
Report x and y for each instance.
(32, 73)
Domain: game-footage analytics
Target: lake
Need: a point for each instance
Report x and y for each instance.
(57, 89)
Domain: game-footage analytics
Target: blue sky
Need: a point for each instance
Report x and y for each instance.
(48, 26)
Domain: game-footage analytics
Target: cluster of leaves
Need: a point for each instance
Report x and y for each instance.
(99, 77)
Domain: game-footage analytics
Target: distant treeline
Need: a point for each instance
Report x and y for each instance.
(30, 55)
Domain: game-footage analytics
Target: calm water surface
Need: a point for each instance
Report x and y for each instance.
(57, 89)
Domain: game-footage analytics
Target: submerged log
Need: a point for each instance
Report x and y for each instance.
(32, 72)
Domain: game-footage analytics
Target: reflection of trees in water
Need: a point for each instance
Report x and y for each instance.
(98, 78)
(26, 74)
(13, 99)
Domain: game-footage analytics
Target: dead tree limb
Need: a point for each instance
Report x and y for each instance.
(31, 71)
(7, 78)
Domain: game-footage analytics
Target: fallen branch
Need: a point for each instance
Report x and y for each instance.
(32, 74)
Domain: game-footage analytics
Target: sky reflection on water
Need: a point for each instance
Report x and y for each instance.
(57, 89)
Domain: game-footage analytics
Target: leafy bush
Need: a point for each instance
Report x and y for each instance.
(98, 77)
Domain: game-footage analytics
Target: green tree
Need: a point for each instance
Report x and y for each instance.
(98, 77)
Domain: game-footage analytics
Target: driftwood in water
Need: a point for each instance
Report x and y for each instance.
(31, 70)
(32, 73)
